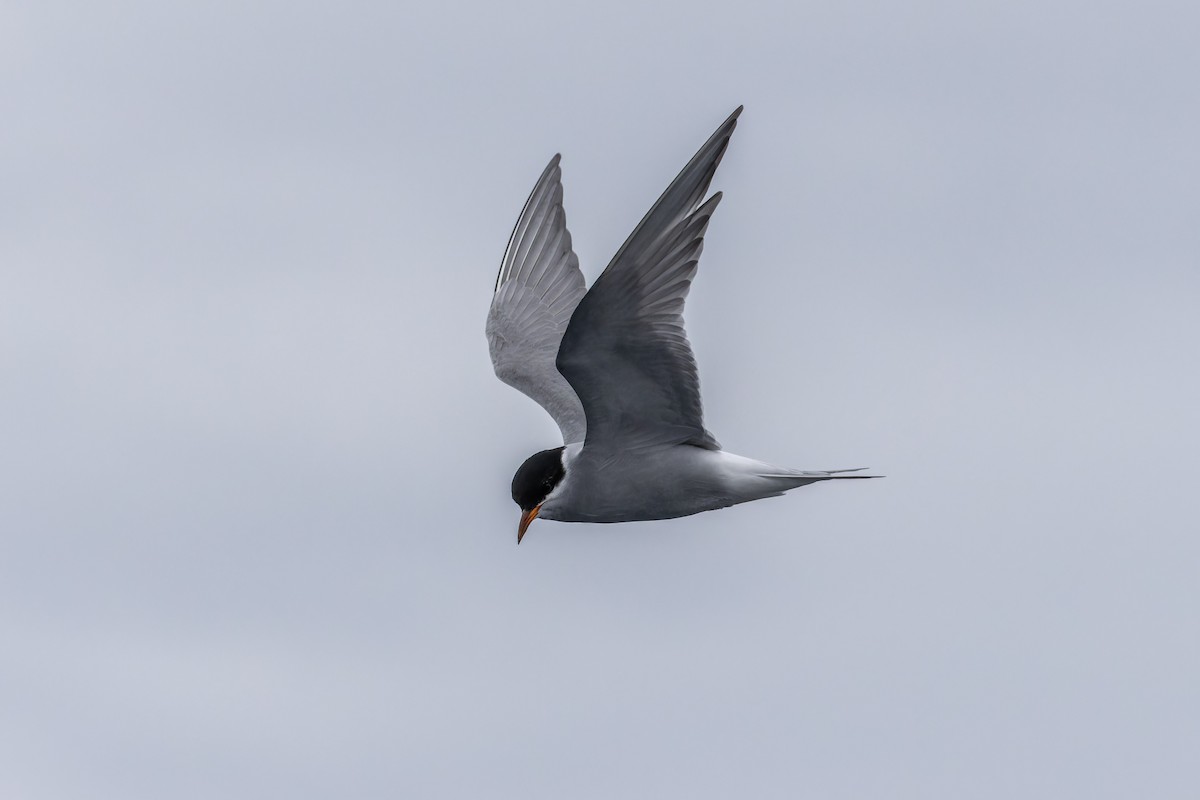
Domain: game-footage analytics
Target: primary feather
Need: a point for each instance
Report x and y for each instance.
(537, 289)
(625, 352)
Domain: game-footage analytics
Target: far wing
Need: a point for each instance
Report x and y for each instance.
(538, 288)
(625, 351)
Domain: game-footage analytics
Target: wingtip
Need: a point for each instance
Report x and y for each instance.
(709, 205)
(549, 171)
(732, 120)
(551, 166)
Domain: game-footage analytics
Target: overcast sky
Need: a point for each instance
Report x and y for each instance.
(256, 537)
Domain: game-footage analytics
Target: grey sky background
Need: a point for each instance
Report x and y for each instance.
(255, 526)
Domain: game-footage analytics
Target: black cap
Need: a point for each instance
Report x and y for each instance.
(537, 477)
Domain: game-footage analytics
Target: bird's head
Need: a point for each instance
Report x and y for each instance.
(535, 480)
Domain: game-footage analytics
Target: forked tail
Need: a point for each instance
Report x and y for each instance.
(790, 479)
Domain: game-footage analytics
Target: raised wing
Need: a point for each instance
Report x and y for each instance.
(538, 288)
(625, 351)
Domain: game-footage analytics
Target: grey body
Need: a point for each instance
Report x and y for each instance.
(613, 365)
(663, 483)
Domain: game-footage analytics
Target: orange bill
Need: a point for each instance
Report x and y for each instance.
(526, 518)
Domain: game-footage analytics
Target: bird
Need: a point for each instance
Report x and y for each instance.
(613, 367)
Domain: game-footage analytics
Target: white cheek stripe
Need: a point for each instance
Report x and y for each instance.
(569, 453)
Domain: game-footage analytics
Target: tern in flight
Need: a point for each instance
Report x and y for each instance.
(613, 367)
